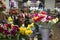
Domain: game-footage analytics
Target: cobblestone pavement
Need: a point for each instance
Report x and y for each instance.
(56, 33)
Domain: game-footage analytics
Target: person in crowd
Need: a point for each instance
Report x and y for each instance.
(40, 6)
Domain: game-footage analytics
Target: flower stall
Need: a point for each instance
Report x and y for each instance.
(10, 31)
(20, 24)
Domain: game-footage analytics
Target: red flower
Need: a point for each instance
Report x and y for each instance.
(16, 28)
(41, 17)
(8, 25)
(43, 12)
(36, 18)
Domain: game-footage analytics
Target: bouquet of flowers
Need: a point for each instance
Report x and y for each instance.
(8, 32)
(25, 32)
(13, 32)
(43, 19)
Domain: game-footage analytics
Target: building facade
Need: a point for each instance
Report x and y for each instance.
(48, 4)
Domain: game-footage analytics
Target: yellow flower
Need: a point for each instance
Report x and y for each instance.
(32, 24)
(55, 20)
(22, 30)
(12, 24)
(28, 32)
(9, 19)
(29, 25)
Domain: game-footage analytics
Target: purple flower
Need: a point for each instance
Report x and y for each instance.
(15, 28)
(6, 32)
(13, 32)
(1, 30)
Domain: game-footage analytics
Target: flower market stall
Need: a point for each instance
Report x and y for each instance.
(25, 23)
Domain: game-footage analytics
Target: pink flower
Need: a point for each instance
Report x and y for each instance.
(50, 18)
(43, 20)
